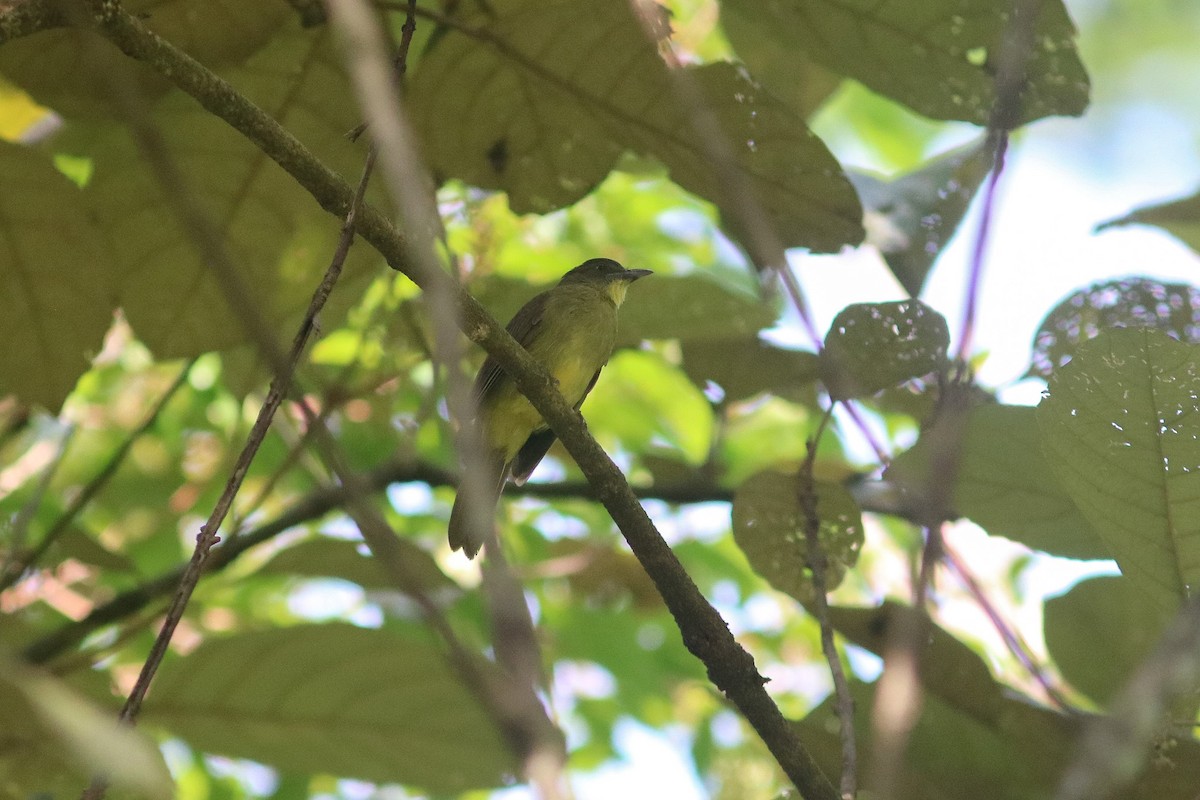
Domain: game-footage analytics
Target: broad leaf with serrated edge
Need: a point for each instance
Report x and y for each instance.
(939, 57)
(1121, 430)
(1005, 485)
(55, 277)
(540, 97)
(873, 346)
(337, 699)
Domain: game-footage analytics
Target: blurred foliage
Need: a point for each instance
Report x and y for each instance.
(556, 130)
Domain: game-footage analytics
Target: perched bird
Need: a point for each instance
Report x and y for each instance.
(571, 330)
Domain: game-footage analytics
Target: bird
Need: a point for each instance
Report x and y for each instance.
(571, 330)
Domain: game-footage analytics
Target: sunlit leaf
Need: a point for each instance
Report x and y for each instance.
(1110, 610)
(911, 218)
(516, 100)
(872, 346)
(1120, 430)
(1173, 308)
(336, 699)
(1005, 485)
(55, 277)
(769, 527)
(939, 57)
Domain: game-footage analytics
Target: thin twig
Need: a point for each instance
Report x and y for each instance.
(13, 571)
(819, 564)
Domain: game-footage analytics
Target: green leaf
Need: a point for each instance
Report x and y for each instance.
(645, 401)
(74, 71)
(1121, 431)
(1180, 218)
(1173, 308)
(1005, 485)
(935, 56)
(517, 99)
(55, 740)
(760, 435)
(1109, 612)
(745, 367)
(337, 558)
(55, 275)
(333, 698)
(949, 668)
(768, 525)
(911, 218)
(279, 241)
(873, 346)
(773, 60)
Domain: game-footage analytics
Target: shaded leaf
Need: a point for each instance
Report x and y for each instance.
(1108, 610)
(55, 277)
(278, 239)
(521, 103)
(1005, 485)
(768, 525)
(911, 218)
(55, 740)
(773, 60)
(1180, 218)
(74, 71)
(936, 56)
(1173, 308)
(748, 366)
(333, 698)
(1121, 431)
(337, 558)
(873, 346)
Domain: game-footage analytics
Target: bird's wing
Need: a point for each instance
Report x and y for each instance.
(538, 444)
(522, 328)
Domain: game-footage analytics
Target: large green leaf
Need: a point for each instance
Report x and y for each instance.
(938, 57)
(335, 699)
(1110, 613)
(55, 741)
(874, 346)
(1173, 308)
(279, 241)
(540, 97)
(1005, 484)
(769, 527)
(55, 278)
(748, 366)
(1121, 430)
(75, 71)
(911, 218)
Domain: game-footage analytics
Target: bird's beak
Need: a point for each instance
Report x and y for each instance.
(633, 274)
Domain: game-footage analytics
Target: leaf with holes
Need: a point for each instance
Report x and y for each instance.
(1173, 308)
(768, 525)
(540, 97)
(347, 701)
(1121, 430)
(938, 57)
(910, 219)
(872, 346)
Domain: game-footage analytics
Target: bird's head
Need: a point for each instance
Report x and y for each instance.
(606, 275)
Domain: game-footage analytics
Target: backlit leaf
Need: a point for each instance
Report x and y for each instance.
(873, 346)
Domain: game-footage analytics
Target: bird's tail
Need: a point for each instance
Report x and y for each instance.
(474, 511)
